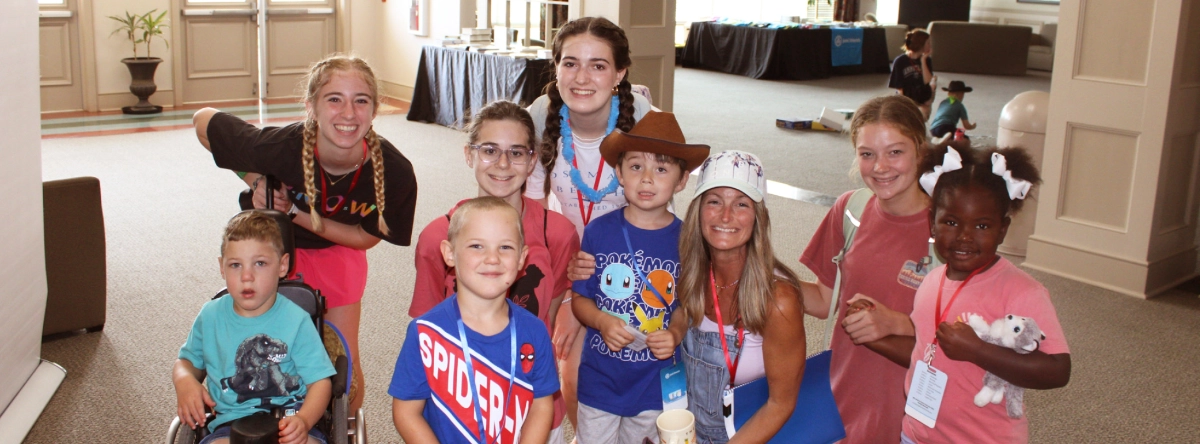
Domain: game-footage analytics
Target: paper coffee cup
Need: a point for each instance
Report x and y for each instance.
(676, 427)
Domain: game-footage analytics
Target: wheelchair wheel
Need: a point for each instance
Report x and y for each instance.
(339, 426)
(180, 433)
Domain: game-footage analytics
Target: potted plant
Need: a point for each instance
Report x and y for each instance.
(142, 29)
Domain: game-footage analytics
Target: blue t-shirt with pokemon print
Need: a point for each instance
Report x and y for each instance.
(626, 382)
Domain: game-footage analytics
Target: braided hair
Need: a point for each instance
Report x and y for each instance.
(603, 29)
(318, 76)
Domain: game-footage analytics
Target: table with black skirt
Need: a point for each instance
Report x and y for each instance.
(778, 54)
(453, 83)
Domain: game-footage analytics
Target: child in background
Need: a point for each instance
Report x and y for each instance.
(481, 331)
(632, 292)
(251, 322)
(972, 206)
(951, 111)
(912, 72)
(500, 148)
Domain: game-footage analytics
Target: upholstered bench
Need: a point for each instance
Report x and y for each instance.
(980, 48)
(76, 270)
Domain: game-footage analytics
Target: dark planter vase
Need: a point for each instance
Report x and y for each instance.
(141, 69)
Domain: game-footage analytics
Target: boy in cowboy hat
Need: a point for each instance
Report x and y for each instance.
(627, 303)
(951, 111)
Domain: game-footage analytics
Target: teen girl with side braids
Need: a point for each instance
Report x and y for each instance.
(365, 188)
(589, 97)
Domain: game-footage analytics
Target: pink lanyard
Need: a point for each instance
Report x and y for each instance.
(741, 333)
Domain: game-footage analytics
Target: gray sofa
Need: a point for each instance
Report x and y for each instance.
(980, 48)
(1041, 48)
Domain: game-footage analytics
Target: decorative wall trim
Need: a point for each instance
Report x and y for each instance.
(396, 91)
(114, 101)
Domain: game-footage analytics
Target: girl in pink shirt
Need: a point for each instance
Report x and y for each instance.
(884, 266)
(959, 387)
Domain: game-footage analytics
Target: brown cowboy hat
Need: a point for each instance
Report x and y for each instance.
(658, 133)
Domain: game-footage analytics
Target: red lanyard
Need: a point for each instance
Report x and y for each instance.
(587, 217)
(741, 333)
(939, 315)
(353, 182)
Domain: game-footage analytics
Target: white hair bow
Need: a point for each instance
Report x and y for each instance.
(1017, 188)
(952, 161)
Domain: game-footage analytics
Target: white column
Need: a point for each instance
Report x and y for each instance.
(1118, 206)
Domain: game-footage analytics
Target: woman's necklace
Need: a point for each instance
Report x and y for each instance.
(329, 177)
(726, 287)
(589, 193)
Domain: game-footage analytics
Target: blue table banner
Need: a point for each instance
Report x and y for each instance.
(847, 46)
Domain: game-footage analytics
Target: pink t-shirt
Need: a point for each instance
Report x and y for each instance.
(882, 264)
(1001, 290)
(544, 277)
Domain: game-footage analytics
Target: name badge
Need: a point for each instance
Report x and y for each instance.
(925, 394)
(727, 411)
(673, 380)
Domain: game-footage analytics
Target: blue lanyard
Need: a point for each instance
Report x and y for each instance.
(512, 367)
(637, 266)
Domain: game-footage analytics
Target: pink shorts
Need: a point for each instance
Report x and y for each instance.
(339, 272)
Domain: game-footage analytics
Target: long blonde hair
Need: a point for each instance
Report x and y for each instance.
(318, 76)
(756, 288)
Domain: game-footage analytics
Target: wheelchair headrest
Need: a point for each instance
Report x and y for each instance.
(246, 200)
(285, 230)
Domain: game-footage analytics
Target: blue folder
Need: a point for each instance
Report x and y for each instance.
(816, 419)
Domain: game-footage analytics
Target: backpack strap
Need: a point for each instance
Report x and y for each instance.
(851, 219)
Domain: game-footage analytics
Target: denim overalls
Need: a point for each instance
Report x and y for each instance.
(707, 377)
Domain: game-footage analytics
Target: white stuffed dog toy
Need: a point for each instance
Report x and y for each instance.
(1014, 332)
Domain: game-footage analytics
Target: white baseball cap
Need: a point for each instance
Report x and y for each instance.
(739, 170)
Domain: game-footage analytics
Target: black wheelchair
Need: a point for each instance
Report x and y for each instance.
(338, 425)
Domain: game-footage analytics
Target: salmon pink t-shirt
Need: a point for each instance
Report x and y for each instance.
(883, 263)
(999, 291)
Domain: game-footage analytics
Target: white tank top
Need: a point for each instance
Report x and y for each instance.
(750, 366)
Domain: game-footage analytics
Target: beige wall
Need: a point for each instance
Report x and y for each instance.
(111, 74)
(380, 34)
(756, 10)
(22, 265)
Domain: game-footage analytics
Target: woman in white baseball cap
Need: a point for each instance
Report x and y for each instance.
(738, 301)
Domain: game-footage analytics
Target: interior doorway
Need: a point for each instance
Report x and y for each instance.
(60, 59)
(223, 50)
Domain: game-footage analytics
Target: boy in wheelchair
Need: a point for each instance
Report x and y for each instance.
(258, 351)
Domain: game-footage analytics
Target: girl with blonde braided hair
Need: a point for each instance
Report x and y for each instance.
(364, 189)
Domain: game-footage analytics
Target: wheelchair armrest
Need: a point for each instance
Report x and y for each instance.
(339, 380)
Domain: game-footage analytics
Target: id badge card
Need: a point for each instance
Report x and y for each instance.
(727, 411)
(925, 394)
(673, 380)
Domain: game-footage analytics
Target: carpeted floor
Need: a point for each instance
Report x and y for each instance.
(1135, 362)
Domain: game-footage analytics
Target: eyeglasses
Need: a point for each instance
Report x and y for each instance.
(517, 155)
